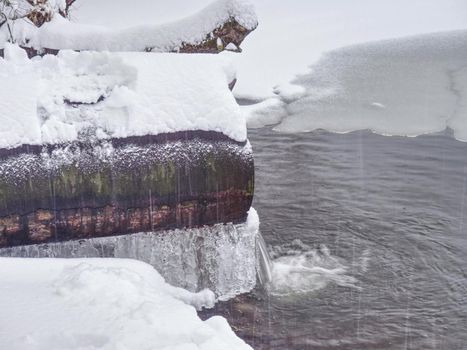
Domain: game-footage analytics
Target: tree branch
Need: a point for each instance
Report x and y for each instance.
(3, 19)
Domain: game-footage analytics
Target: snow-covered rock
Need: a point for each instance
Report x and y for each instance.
(58, 99)
(108, 304)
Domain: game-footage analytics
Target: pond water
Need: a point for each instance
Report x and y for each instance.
(368, 236)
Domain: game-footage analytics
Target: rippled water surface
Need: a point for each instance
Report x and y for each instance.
(368, 235)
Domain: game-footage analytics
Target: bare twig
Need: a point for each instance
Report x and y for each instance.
(3, 19)
(66, 12)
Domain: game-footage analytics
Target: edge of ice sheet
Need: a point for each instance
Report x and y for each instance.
(400, 87)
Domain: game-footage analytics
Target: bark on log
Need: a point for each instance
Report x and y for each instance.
(229, 33)
(120, 186)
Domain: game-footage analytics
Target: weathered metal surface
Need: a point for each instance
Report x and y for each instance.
(101, 188)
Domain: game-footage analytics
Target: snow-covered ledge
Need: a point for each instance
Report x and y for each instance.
(59, 99)
(222, 25)
(99, 144)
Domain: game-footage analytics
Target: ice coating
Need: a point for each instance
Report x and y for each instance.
(113, 95)
(219, 257)
(65, 304)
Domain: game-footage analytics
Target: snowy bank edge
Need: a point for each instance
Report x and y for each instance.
(112, 301)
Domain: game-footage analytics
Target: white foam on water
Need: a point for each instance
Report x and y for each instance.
(304, 270)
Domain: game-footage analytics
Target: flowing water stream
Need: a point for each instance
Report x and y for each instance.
(367, 233)
(368, 240)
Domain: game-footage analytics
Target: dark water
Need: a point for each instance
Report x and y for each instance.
(384, 219)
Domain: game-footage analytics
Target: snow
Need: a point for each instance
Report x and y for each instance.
(219, 43)
(292, 35)
(14, 54)
(61, 33)
(16, 79)
(290, 38)
(289, 92)
(59, 99)
(267, 112)
(232, 47)
(407, 87)
(108, 304)
(86, 304)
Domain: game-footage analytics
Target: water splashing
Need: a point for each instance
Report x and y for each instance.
(263, 260)
(298, 268)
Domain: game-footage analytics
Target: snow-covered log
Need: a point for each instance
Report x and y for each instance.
(122, 186)
(98, 144)
(222, 25)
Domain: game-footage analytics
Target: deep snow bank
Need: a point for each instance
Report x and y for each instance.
(410, 86)
(103, 304)
(74, 95)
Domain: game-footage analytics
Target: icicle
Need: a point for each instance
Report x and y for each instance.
(219, 257)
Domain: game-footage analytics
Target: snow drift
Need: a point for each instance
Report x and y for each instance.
(102, 304)
(58, 99)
